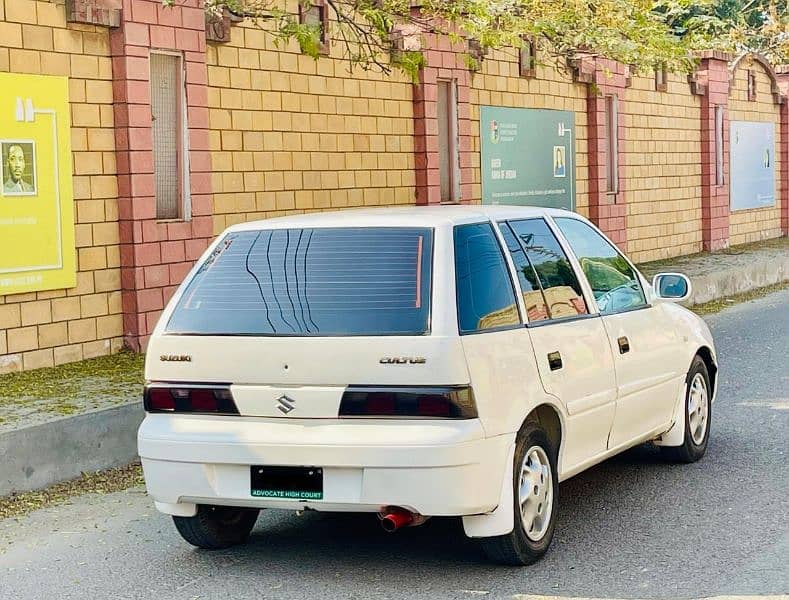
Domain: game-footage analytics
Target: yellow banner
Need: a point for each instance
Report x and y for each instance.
(37, 250)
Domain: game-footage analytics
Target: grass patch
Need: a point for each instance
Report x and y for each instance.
(65, 387)
(714, 306)
(99, 482)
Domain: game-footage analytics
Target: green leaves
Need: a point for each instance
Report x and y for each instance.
(644, 33)
(756, 26)
(308, 37)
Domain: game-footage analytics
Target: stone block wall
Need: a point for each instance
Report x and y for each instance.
(272, 131)
(662, 168)
(290, 134)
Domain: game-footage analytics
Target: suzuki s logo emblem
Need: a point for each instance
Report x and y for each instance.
(286, 405)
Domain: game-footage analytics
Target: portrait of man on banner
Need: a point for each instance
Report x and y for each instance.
(559, 161)
(19, 167)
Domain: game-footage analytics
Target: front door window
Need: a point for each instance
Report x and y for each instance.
(614, 282)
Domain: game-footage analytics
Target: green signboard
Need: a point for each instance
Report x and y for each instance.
(528, 157)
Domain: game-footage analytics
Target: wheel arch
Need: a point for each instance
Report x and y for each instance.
(705, 353)
(551, 419)
(675, 435)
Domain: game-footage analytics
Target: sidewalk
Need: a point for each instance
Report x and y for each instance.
(57, 423)
(729, 272)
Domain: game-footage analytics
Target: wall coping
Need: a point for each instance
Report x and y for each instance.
(714, 55)
(106, 13)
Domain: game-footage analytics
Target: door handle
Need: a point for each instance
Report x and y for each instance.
(555, 361)
(624, 345)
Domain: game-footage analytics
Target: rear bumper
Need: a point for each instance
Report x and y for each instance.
(438, 468)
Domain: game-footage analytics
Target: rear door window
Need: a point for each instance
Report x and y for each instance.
(485, 294)
(533, 296)
(312, 282)
(554, 272)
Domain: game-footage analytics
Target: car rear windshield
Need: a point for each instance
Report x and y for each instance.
(311, 282)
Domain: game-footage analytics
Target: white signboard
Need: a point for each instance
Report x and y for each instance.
(752, 182)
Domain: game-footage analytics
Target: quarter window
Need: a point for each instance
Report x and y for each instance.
(613, 281)
(485, 296)
(555, 275)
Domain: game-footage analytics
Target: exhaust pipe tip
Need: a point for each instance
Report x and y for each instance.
(393, 520)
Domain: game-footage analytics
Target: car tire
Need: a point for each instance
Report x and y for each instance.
(535, 465)
(217, 527)
(698, 414)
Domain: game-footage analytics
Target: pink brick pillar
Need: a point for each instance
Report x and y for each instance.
(712, 84)
(444, 61)
(784, 137)
(782, 75)
(155, 255)
(608, 210)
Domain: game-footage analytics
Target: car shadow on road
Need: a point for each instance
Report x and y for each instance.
(614, 537)
(283, 538)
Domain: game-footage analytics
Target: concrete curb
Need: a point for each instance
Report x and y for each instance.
(736, 280)
(40, 455)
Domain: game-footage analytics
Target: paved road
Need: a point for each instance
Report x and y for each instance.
(632, 527)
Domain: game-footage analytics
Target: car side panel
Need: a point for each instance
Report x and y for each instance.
(693, 335)
(585, 384)
(504, 378)
(647, 374)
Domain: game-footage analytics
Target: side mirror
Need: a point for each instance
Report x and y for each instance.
(672, 286)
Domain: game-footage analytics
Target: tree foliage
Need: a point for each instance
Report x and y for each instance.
(645, 33)
(759, 26)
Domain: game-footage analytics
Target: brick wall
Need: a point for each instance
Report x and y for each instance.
(662, 169)
(499, 83)
(763, 223)
(289, 134)
(272, 132)
(52, 327)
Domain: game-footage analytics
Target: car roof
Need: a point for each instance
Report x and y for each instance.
(405, 216)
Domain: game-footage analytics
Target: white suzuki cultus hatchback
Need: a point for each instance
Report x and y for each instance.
(414, 362)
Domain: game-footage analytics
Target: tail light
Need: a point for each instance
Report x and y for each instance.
(189, 398)
(408, 402)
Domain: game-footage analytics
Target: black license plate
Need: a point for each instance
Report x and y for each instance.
(288, 483)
